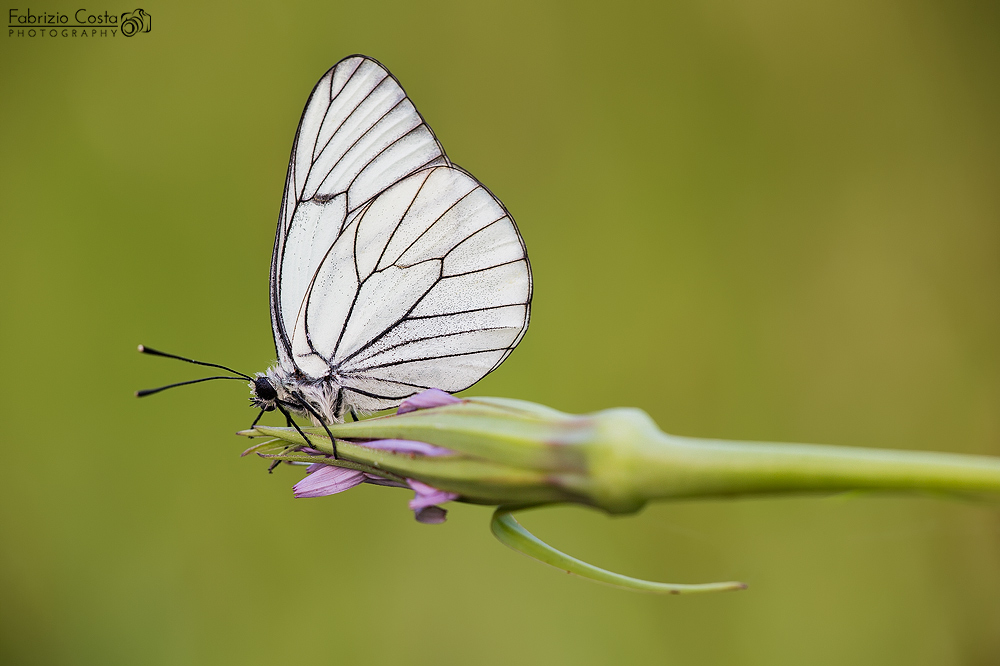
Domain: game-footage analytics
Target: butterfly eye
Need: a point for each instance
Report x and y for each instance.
(262, 387)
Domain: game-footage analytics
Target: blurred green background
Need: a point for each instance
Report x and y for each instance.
(755, 220)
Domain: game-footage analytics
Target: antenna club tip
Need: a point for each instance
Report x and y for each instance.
(142, 348)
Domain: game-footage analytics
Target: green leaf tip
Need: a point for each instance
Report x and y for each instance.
(512, 534)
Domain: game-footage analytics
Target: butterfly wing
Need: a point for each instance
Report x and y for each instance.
(358, 135)
(393, 270)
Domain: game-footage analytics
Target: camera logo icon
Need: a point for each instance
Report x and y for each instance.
(135, 22)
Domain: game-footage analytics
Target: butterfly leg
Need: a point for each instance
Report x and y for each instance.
(354, 414)
(257, 419)
(293, 424)
(308, 408)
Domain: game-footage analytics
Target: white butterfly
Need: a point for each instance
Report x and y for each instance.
(394, 270)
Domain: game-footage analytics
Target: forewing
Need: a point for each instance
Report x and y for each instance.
(359, 135)
(428, 286)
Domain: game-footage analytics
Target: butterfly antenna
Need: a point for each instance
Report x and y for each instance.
(143, 349)
(143, 393)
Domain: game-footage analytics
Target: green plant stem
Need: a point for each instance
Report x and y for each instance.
(635, 462)
(715, 467)
(515, 455)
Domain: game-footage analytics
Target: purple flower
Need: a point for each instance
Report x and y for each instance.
(424, 502)
(406, 446)
(382, 481)
(426, 400)
(322, 480)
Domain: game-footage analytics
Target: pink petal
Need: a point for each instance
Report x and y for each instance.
(381, 481)
(407, 446)
(426, 400)
(328, 481)
(427, 496)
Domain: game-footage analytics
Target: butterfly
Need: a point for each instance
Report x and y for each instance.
(394, 270)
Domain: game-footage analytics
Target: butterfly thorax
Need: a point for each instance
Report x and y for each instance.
(277, 388)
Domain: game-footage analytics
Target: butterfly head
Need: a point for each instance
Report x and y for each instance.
(264, 394)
